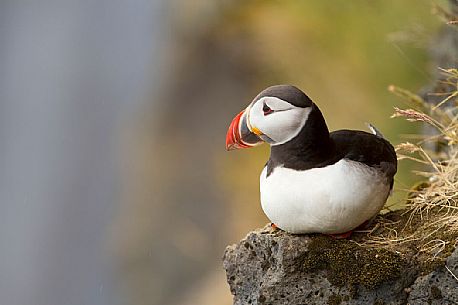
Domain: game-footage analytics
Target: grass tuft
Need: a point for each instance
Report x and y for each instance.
(429, 223)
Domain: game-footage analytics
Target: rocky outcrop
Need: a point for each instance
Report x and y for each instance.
(273, 267)
(439, 287)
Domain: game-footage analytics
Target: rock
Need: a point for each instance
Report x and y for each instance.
(274, 267)
(439, 287)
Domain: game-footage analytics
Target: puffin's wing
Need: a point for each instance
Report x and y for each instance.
(366, 148)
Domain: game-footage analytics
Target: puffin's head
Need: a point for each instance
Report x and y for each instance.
(275, 116)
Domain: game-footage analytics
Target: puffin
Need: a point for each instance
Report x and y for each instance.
(315, 181)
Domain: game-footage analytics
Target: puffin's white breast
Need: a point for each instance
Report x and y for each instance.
(332, 199)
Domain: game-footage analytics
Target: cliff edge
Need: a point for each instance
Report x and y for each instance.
(274, 267)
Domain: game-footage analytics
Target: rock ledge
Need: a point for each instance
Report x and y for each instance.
(274, 267)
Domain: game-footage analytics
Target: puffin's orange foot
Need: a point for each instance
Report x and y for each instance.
(341, 235)
(274, 227)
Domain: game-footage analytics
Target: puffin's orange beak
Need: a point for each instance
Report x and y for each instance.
(239, 135)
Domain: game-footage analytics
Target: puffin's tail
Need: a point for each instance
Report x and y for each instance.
(375, 131)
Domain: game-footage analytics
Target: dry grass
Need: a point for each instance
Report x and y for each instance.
(429, 223)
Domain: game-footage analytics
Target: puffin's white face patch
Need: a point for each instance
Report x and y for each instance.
(283, 124)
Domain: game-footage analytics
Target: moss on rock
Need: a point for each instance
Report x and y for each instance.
(346, 263)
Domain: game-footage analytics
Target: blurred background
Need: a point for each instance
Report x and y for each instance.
(115, 186)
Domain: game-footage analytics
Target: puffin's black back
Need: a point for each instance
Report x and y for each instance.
(366, 148)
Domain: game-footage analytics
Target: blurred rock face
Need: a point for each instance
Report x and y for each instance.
(71, 72)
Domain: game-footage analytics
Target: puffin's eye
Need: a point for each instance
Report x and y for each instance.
(267, 110)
